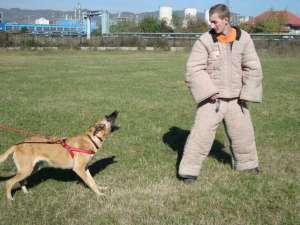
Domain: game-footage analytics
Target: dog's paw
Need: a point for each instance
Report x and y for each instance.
(102, 188)
(25, 190)
(100, 194)
(10, 198)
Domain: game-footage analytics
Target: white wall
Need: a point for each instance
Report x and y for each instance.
(41, 21)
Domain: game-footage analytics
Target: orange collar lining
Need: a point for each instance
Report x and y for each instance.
(230, 37)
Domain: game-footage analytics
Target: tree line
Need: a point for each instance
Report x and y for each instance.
(154, 25)
(271, 24)
(274, 23)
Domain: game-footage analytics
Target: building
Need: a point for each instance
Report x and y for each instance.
(120, 18)
(206, 16)
(41, 20)
(234, 18)
(78, 12)
(85, 21)
(244, 19)
(292, 21)
(189, 14)
(165, 13)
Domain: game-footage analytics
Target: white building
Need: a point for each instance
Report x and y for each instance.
(189, 14)
(207, 16)
(244, 19)
(165, 13)
(41, 20)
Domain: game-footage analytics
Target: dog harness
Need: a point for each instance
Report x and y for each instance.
(72, 149)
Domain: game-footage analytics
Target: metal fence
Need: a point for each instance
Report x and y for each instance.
(278, 43)
(193, 36)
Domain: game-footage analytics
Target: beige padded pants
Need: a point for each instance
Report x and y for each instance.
(239, 128)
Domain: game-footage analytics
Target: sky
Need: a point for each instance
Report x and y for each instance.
(244, 7)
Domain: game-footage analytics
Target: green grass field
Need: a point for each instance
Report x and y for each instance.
(62, 93)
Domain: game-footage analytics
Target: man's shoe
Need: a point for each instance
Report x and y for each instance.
(254, 171)
(188, 179)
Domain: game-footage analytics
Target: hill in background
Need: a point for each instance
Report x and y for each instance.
(29, 16)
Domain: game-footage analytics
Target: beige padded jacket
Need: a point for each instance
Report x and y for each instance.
(231, 69)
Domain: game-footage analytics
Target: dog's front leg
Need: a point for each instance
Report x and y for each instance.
(88, 179)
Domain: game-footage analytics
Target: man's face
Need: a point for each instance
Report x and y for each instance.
(217, 23)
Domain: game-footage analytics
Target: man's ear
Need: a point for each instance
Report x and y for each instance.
(226, 19)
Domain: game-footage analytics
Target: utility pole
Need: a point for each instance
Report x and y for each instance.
(228, 5)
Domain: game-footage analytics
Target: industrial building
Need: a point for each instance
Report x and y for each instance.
(82, 23)
(47, 29)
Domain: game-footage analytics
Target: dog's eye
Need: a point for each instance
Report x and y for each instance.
(100, 127)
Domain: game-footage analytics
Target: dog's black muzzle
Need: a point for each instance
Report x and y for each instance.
(112, 119)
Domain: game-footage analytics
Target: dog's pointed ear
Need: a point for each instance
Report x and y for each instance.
(112, 116)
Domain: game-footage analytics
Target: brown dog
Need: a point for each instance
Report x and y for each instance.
(70, 153)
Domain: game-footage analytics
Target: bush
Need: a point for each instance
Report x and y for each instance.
(28, 43)
(124, 26)
(272, 24)
(177, 22)
(247, 27)
(150, 25)
(162, 44)
(165, 28)
(196, 26)
(5, 41)
(24, 30)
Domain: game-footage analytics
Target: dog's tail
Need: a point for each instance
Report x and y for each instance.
(5, 155)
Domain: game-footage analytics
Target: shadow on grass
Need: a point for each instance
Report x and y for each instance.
(176, 138)
(63, 174)
(6, 178)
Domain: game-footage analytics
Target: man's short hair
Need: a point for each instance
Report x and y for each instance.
(221, 9)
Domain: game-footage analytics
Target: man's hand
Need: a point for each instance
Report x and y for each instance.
(214, 98)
